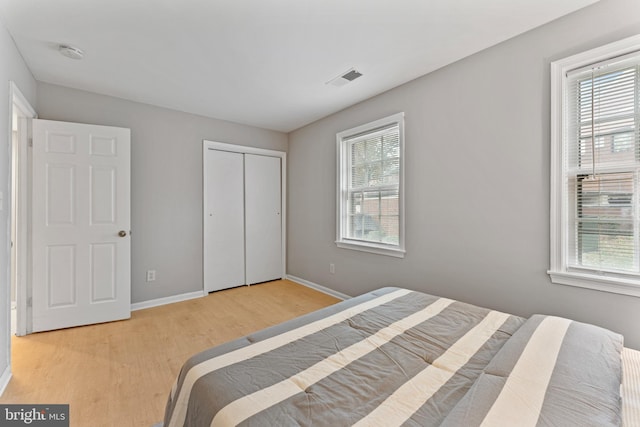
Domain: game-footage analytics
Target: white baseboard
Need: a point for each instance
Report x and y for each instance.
(4, 379)
(317, 287)
(166, 300)
(191, 295)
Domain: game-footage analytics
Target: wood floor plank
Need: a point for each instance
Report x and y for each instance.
(120, 373)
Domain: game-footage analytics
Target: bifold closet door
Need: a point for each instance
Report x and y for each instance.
(224, 213)
(263, 218)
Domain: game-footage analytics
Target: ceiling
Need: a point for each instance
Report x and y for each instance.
(263, 63)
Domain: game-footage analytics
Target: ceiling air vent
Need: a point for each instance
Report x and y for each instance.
(346, 77)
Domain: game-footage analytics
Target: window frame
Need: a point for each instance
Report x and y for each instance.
(343, 168)
(559, 270)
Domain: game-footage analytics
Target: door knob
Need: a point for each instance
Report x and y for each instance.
(122, 233)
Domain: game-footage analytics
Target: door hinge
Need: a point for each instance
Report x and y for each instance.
(30, 142)
(30, 302)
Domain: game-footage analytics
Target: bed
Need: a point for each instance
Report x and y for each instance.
(400, 357)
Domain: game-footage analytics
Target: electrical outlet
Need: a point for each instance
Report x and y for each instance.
(151, 275)
(332, 268)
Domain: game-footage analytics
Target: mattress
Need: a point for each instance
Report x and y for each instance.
(400, 357)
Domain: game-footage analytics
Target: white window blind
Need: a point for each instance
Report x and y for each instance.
(602, 145)
(373, 203)
(595, 168)
(370, 187)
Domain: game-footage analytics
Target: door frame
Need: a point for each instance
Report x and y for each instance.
(20, 180)
(242, 149)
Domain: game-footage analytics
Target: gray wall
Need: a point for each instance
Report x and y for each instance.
(477, 181)
(166, 180)
(12, 68)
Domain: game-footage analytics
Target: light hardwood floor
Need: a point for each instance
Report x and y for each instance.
(120, 373)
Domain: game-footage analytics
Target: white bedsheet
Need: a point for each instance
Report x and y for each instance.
(630, 387)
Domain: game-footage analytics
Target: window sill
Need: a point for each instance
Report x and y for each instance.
(601, 283)
(372, 248)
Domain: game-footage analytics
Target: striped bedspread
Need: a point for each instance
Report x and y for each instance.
(397, 357)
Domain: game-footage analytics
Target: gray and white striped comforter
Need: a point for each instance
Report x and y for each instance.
(397, 357)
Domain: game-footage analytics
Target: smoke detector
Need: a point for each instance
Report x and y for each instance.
(70, 51)
(344, 78)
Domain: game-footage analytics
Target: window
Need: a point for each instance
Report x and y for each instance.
(595, 171)
(370, 187)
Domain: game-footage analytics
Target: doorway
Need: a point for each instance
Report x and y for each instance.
(21, 115)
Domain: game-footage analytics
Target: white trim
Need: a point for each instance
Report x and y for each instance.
(23, 291)
(213, 145)
(18, 98)
(598, 283)
(599, 54)
(167, 300)
(373, 248)
(223, 146)
(317, 287)
(558, 271)
(556, 208)
(397, 251)
(4, 379)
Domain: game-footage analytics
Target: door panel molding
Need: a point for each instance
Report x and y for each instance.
(81, 267)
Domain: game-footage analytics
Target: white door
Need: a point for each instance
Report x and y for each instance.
(224, 220)
(81, 272)
(263, 218)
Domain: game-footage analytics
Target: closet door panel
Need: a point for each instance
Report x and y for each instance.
(263, 218)
(224, 220)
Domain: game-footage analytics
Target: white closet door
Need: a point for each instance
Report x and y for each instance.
(263, 218)
(224, 217)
